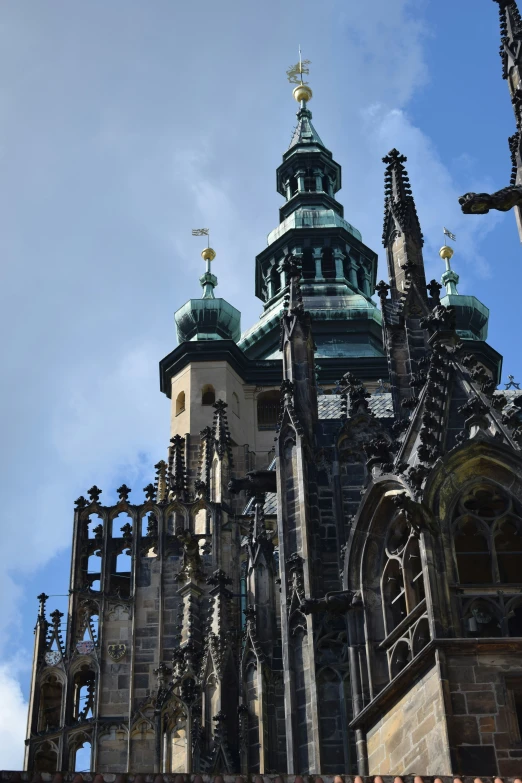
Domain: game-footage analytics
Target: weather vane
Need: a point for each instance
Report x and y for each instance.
(295, 72)
(202, 232)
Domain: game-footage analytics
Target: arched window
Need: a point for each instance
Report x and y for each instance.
(235, 404)
(81, 756)
(488, 536)
(46, 757)
(268, 404)
(180, 403)
(83, 694)
(208, 394)
(50, 704)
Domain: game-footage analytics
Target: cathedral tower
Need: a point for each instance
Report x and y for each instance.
(324, 575)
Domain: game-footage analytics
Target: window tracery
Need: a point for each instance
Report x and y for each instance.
(403, 594)
(488, 536)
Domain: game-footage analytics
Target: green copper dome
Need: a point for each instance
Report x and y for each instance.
(208, 318)
(471, 315)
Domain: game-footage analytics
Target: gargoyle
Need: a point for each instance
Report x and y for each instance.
(336, 602)
(255, 482)
(481, 203)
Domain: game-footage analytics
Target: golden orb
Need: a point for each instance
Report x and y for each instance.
(208, 254)
(446, 252)
(302, 93)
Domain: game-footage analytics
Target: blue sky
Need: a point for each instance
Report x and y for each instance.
(123, 125)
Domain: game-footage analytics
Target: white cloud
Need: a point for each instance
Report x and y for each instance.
(13, 720)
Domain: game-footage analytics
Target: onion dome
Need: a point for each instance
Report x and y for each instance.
(208, 318)
(471, 315)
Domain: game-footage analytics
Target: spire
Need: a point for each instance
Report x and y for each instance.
(398, 199)
(176, 468)
(208, 318)
(402, 235)
(304, 132)
(510, 35)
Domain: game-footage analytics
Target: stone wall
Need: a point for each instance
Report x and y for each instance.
(484, 733)
(411, 736)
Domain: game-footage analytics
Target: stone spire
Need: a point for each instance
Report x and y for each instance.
(402, 235)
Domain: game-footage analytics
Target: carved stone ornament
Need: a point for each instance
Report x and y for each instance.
(86, 647)
(52, 657)
(116, 651)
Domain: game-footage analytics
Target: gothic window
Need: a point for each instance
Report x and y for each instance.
(235, 404)
(403, 594)
(83, 694)
(267, 410)
(488, 536)
(208, 394)
(326, 184)
(50, 704)
(94, 526)
(180, 403)
(81, 755)
(94, 563)
(46, 757)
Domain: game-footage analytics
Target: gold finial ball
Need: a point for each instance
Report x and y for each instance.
(446, 252)
(302, 93)
(208, 254)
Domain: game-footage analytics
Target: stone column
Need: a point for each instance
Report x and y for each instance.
(338, 259)
(352, 272)
(288, 189)
(300, 180)
(318, 258)
(318, 180)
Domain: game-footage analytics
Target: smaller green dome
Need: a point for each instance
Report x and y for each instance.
(208, 318)
(471, 315)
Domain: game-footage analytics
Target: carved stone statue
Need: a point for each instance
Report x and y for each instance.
(336, 602)
(255, 482)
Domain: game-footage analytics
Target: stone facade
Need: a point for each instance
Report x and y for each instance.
(412, 734)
